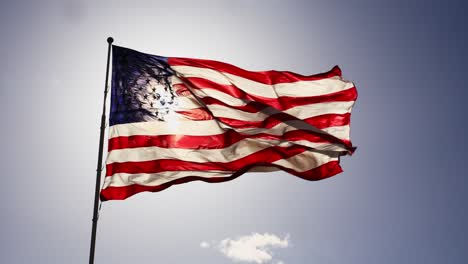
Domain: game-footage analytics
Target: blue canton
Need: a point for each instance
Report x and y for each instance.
(141, 87)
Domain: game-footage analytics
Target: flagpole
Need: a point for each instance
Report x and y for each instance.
(99, 163)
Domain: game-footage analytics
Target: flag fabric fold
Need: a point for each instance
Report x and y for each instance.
(175, 120)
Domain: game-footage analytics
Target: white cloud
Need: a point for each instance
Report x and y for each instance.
(255, 248)
(204, 244)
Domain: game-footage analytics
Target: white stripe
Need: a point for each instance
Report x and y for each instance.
(154, 179)
(305, 161)
(313, 88)
(171, 127)
(186, 103)
(300, 112)
(300, 88)
(223, 97)
(175, 80)
(231, 153)
(341, 132)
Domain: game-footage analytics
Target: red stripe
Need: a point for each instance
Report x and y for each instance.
(197, 114)
(120, 193)
(280, 103)
(329, 120)
(266, 77)
(267, 156)
(226, 139)
(273, 120)
(177, 141)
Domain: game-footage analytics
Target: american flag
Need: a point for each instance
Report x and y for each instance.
(175, 120)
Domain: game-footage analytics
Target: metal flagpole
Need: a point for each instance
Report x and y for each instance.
(99, 163)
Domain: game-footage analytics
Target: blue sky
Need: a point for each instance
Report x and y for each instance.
(402, 196)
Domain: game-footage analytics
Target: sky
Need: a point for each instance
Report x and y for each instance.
(402, 195)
